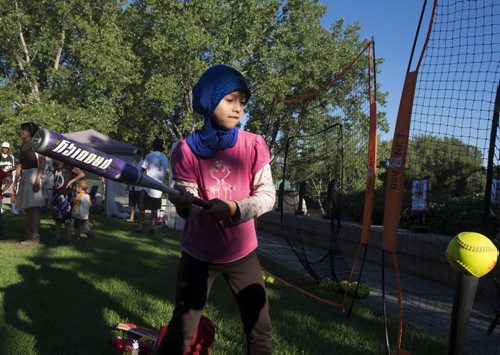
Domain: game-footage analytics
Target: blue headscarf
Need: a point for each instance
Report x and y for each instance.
(215, 83)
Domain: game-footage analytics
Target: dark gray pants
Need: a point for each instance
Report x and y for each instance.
(194, 280)
(82, 225)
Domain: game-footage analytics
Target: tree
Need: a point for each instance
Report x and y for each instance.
(279, 46)
(454, 168)
(457, 179)
(64, 64)
(126, 68)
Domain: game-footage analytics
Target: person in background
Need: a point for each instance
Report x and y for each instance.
(136, 193)
(15, 187)
(81, 210)
(155, 166)
(48, 184)
(3, 175)
(64, 178)
(29, 174)
(7, 165)
(230, 168)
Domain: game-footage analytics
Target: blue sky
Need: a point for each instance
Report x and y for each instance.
(393, 24)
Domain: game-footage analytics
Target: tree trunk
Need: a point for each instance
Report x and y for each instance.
(27, 59)
(61, 46)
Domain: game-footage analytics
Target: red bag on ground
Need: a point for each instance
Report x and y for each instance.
(202, 341)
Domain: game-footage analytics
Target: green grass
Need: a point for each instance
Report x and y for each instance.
(65, 300)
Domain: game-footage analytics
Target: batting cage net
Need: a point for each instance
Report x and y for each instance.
(450, 130)
(442, 177)
(326, 167)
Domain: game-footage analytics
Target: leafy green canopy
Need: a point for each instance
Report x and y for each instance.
(126, 68)
(64, 65)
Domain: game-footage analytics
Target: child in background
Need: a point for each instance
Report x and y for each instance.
(229, 167)
(64, 178)
(81, 209)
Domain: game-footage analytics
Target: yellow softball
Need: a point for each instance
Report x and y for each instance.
(472, 254)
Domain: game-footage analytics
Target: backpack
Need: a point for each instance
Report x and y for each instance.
(202, 341)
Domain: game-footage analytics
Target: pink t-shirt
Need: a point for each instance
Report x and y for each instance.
(228, 175)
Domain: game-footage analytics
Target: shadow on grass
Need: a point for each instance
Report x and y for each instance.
(68, 297)
(300, 324)
(115, 252)
(325, 329)
(54, 305)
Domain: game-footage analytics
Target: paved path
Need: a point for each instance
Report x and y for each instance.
(426, 305)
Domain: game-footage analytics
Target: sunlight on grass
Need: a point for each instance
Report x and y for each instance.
(112, 316)
(23, 317)
(14, 341)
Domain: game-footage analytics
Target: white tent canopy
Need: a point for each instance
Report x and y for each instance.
(102, 142)
(115, 194)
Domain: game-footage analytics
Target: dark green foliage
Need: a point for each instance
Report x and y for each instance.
(457, 183)
(126, 68)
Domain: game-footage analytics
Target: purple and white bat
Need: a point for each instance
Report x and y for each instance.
(57, 146)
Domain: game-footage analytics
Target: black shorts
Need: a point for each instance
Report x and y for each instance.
(136, 199)
(151, 203)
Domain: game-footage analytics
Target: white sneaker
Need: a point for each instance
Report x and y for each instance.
(14, 210)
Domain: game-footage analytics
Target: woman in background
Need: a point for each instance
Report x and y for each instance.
(29, 174)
